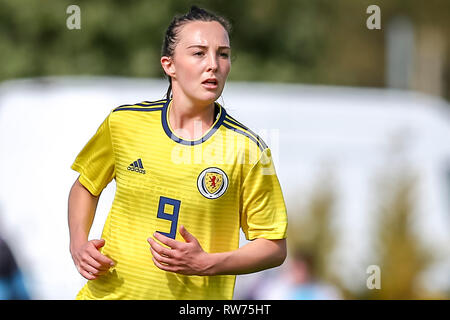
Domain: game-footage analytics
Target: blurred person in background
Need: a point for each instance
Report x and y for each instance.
(12, 286)
(294, 281)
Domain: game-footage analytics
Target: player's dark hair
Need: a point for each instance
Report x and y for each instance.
(170, 39)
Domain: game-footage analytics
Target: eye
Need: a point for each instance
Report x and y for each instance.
(224, 55)
(198, 53)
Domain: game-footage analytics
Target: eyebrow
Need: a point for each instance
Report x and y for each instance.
(204, 47)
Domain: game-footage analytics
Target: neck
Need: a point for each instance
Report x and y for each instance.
(190, 120)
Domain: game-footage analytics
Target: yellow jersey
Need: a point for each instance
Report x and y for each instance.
(214, 186)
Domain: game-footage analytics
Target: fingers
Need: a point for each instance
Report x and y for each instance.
(164, 258)
(186, 235)
(103, 260)
(90, 262)
(90, 268)
(98, 243)
(86, 274)
(160, 258)
(159, 248)
(166, 240)
(95, 264)
(163, 266)
(179, 257)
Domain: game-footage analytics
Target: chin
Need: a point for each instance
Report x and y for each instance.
(204, 97)
(209, 97)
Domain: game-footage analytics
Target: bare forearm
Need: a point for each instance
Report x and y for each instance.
(82, 206)
(86, 255)
(257, 255)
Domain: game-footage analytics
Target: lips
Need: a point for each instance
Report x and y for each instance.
(210, 83)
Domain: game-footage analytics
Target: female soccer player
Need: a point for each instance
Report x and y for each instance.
(188, 177)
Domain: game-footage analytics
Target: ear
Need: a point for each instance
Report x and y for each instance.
(168, 66)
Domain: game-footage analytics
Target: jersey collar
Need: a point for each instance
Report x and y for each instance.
(206, 136)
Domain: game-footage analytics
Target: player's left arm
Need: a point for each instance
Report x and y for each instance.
(189, 257)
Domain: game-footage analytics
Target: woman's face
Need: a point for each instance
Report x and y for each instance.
(200, 63)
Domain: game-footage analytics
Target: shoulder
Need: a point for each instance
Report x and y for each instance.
(230, 123)
(144, 106)
(127, 114)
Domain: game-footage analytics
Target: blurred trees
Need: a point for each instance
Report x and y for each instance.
(402, 258)
(312, 233)
(319, 42)
(394, 244)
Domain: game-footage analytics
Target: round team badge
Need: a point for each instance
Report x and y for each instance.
(212, 183)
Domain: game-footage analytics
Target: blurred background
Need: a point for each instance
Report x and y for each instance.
(357, 119)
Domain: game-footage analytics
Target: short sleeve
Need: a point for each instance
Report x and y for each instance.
(96, 163)
(263, 210)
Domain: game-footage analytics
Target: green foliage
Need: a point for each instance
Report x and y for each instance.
(318, 41)
(402, 258)
(397, 249)
(311, 233)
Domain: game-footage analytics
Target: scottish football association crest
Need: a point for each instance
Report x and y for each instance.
(212, 183)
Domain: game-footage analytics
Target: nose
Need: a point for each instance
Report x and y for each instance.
(212, 62)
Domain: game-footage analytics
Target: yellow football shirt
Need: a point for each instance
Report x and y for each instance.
(214, 186)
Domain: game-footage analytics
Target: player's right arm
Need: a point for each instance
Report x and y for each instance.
(85, 254)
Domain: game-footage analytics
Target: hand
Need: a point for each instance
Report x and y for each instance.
(89, 261)
(181, 257)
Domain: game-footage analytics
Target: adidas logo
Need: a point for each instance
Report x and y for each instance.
(137, 166)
